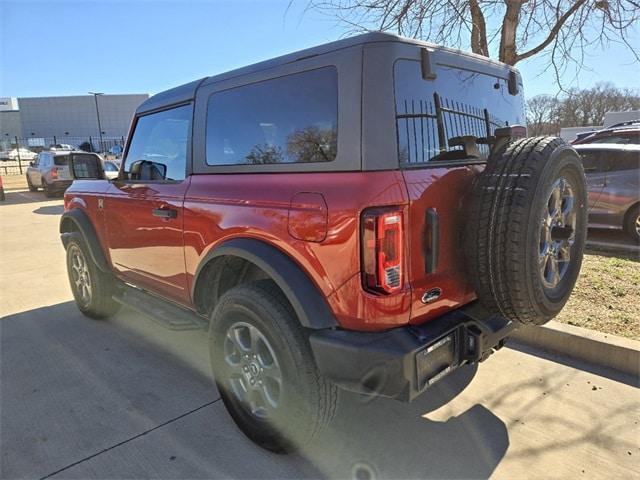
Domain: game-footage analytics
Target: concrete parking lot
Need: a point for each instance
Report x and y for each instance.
(125, 398)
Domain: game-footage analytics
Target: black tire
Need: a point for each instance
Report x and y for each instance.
(632, 223)
(99, 302)
(2, 196)
(47, 189)
(30, 185)
(516, 228)
(306, 402)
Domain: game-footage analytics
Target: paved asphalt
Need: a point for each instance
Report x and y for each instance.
(125, 398)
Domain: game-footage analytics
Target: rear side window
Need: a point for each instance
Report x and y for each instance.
(614, 139)
(621, 161)
(158, 148)
(594, 162)
(430, 114)
(61, 160)
(291, 119)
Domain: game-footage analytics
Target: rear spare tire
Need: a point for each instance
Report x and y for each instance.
(527, 228)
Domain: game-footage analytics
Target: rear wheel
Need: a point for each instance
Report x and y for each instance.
(527, 229)
(264, 368)
(46, 188)
(632, 223)
(92, 289)
(30, 185)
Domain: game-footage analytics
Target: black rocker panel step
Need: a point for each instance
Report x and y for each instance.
(165, 313)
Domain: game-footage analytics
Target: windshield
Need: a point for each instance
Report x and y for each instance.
(431, 114)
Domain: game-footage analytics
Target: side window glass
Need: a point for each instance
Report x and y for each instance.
(612, 139)
(593, 162)
(291, 119)
(625, 161)
(158, 148)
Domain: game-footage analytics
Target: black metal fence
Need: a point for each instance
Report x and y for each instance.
(427, 128)
(17, 153)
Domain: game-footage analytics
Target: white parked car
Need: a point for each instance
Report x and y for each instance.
(25, 154)
(62, 147)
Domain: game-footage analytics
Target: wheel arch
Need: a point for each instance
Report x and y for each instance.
(307, 301)
(627, 212)
(77, 222)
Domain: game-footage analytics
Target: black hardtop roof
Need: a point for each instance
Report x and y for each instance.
(186, 92)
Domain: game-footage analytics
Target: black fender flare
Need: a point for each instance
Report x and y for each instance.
(82, 225)
(307, 301)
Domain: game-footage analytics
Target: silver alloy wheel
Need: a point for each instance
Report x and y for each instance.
(638, 225)
(255, 376)
(80, 274)
(557, 233)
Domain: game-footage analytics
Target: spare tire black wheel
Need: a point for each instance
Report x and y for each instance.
(527, 229)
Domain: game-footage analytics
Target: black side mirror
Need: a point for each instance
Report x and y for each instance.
(147, 170)
(86, 166)
(32, 164)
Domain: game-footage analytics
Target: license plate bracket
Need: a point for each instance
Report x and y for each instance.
(436, 360)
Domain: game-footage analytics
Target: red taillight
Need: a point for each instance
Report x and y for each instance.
(54, 172)
(382, 250)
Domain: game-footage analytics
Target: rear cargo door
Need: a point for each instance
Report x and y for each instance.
(442, 124)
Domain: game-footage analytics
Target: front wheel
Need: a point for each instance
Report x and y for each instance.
(265, 371)
(92, 289)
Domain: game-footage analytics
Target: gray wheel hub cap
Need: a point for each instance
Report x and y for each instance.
(254, 372)
(557, 234)
(80, 275)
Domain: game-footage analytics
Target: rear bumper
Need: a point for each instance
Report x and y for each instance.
(403, 362)
(59, 185)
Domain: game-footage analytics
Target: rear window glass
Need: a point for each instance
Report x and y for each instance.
(595, 161)
(110, 167)
(61, 159)
(613, 139)
(291, 119)
(620, 161)
(430, 114)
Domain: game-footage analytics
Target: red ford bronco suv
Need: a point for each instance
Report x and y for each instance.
(366, 214)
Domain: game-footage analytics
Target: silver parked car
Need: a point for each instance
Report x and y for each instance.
(111, 169)
(49, 171)
(613, 182)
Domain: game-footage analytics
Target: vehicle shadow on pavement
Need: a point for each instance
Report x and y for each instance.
(384, 438)
(125, 398)
(50, 210)
(19, 197)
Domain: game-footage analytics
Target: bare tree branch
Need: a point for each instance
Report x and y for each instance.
(559, 31)
(553, 33)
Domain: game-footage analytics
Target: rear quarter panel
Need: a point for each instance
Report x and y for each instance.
(224, 206)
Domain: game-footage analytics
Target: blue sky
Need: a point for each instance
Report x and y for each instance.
(70, 47)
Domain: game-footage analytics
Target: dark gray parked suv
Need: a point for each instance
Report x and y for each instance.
(613, 180)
